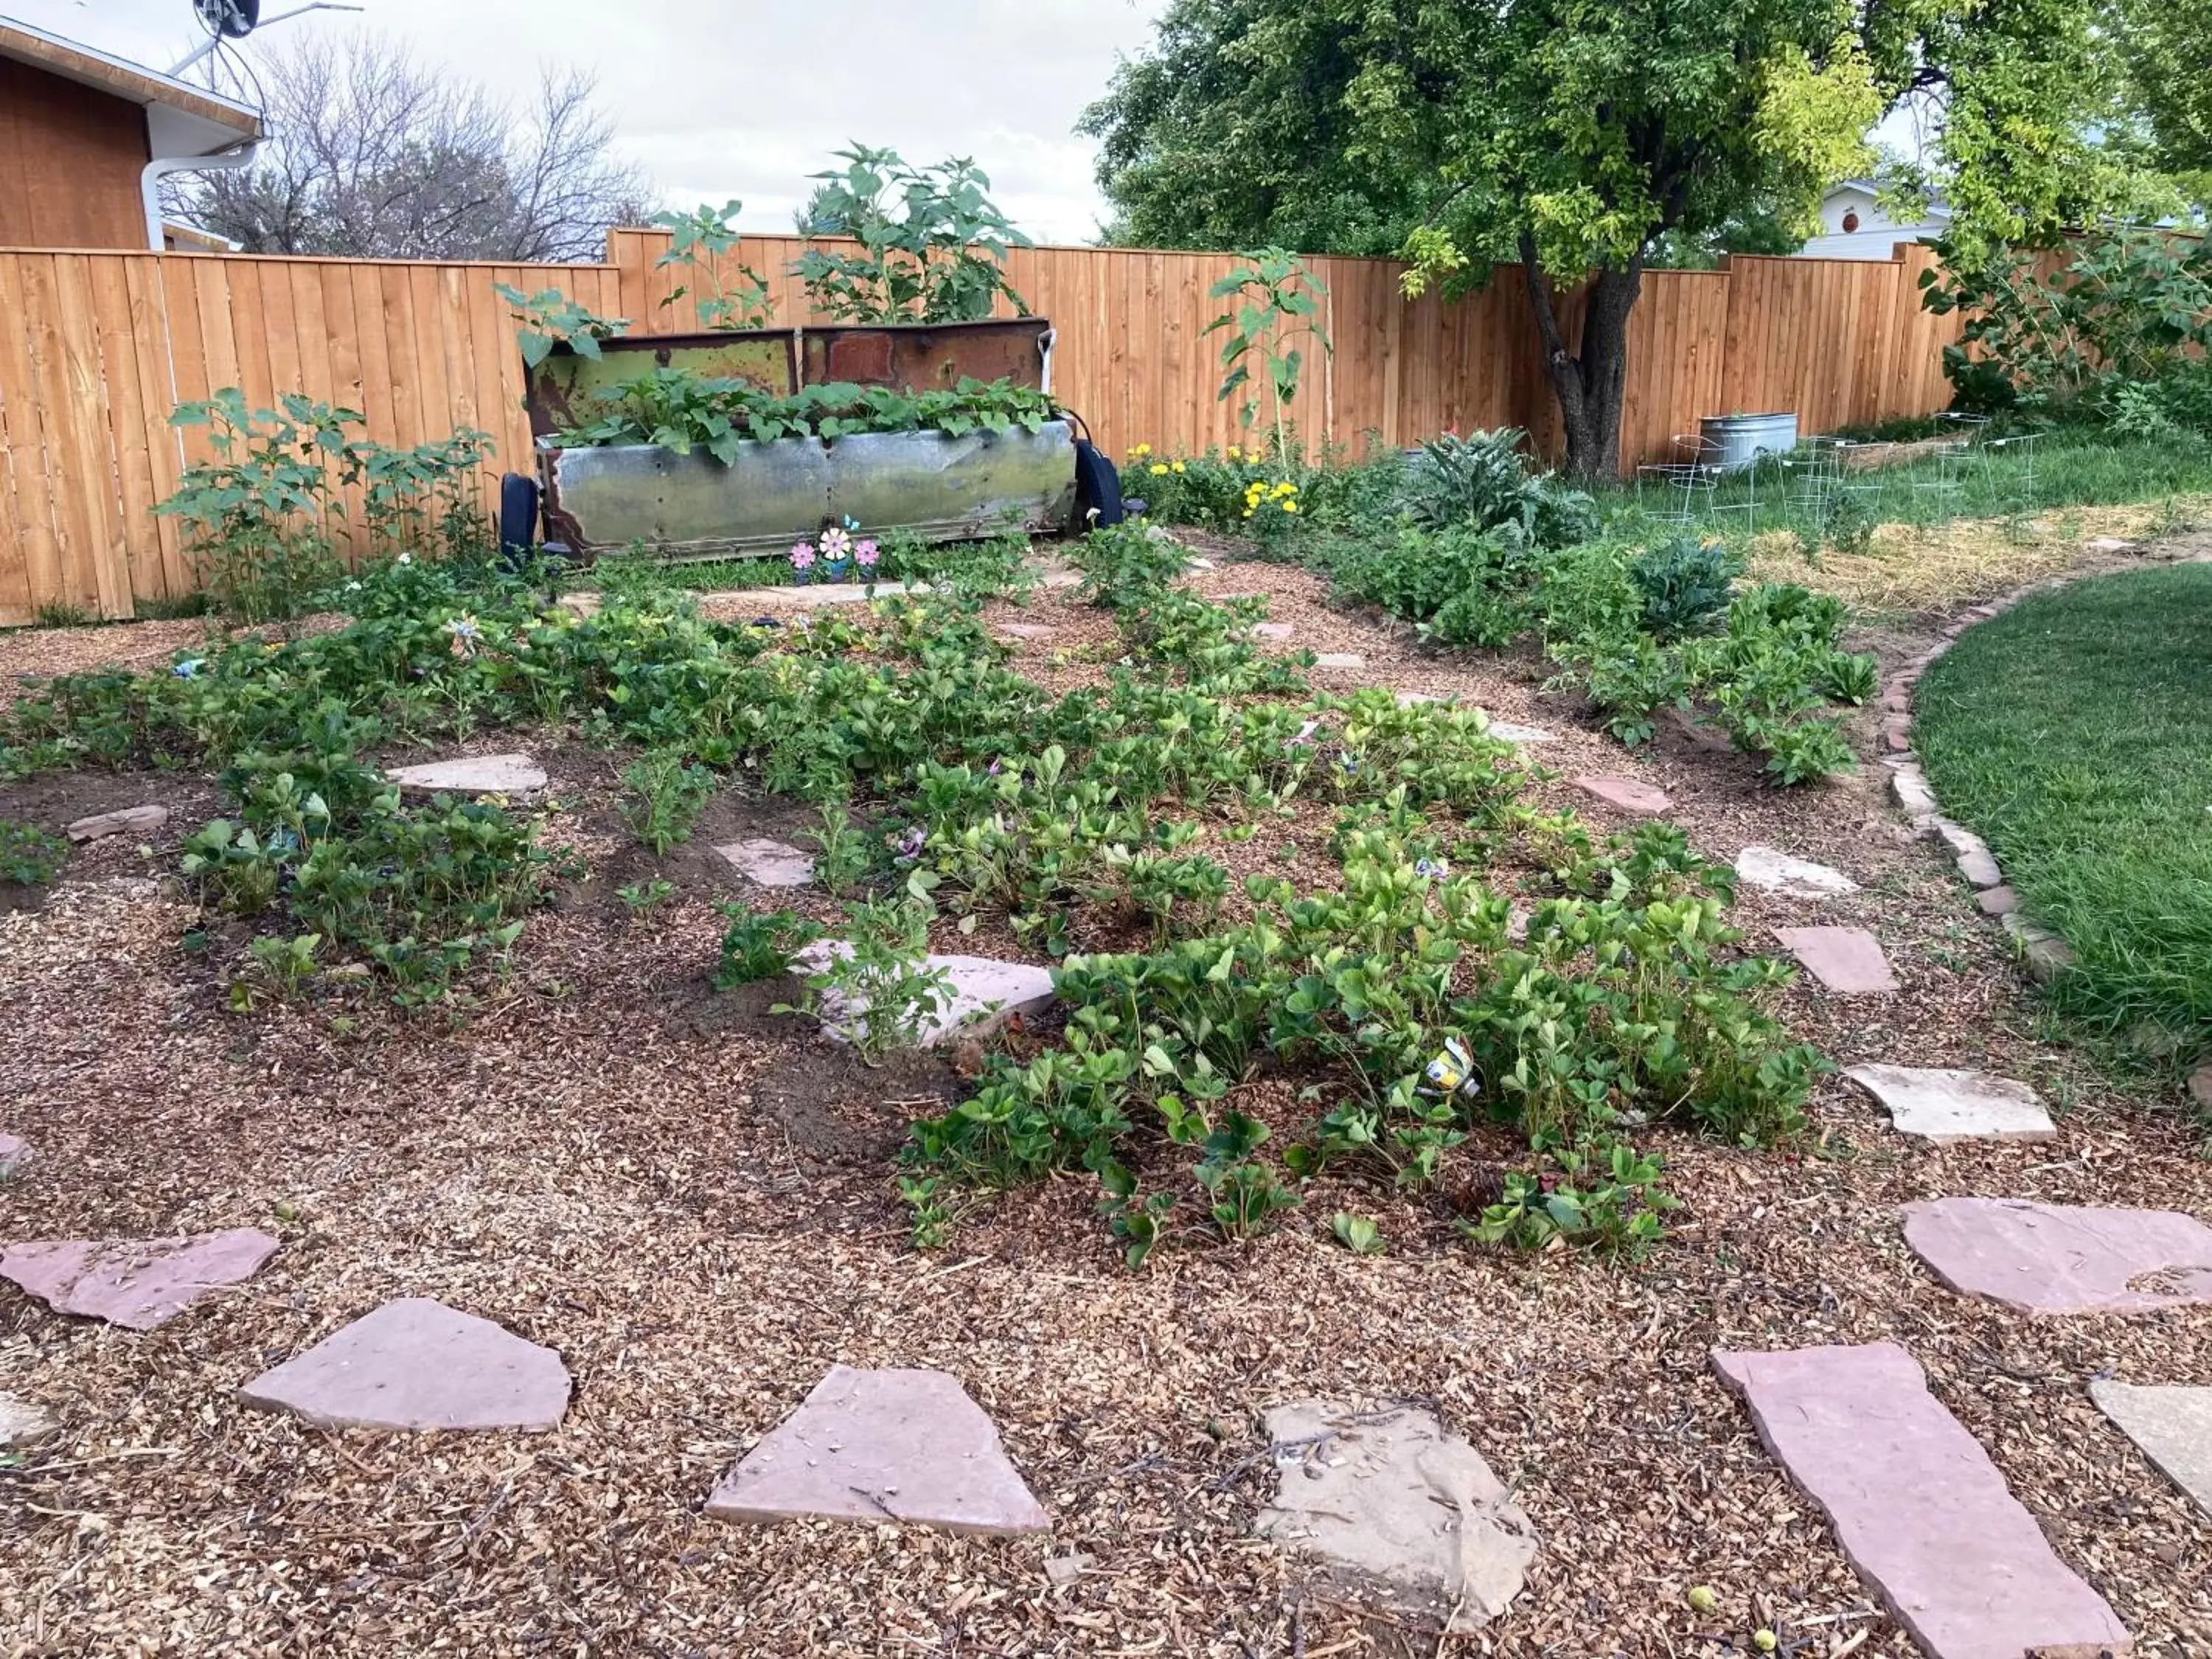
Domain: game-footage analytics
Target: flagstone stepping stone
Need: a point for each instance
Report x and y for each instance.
(1398, 1503)
(1847, 960)
(1339, 660)
(2064, 1259)
(1508, 731)
(15, 1153)
(814, 594)
(2173, 1427)
(135, 1283)
(1944, 1106)
(1014, 630)
(1626, 793)
(1271, 631)
(130, 821)
(770, 863)
(1775, 872)
(415, 1363)
(23, 1423)
(1917, 1505)
(2200, 1085)
(1415, 699)
(472, 774)
(985, 992)
(877, 1445)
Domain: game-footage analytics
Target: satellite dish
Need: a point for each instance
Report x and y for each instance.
(232, 18)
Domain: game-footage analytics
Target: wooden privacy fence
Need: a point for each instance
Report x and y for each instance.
(97, 347)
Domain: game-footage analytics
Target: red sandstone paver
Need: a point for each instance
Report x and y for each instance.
(1626, 793)
(136, 1282)
(1917, 1504)
(415, 1363)
(1847, 960)
(2064, 1259)
(899, 1445)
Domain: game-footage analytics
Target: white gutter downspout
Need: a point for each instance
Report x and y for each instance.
(149, 181)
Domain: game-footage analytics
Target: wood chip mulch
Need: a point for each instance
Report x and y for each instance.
(598, 1160)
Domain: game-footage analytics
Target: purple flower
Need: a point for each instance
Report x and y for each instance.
(802, 556)
(911, 843)
(996, 767)
(188, 669)
(836, 543)
(1305, 734)
(864, 552)
(1434, 869)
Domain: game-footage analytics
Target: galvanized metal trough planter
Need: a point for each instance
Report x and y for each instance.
(930, 485)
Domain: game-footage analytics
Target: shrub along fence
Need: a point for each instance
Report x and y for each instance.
(97, 347)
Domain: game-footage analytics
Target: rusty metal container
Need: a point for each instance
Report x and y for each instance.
(932, 484)
(561, 389)
(930, 356)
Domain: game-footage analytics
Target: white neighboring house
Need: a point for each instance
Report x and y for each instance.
(1854, 227)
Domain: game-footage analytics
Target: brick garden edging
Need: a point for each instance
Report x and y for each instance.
(2045, 954)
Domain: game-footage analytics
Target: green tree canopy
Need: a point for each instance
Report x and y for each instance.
(2167, 46)
(1571, 136)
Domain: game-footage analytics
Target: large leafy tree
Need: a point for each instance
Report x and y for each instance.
(2169, 89)
(375, 155)
(1571, 137)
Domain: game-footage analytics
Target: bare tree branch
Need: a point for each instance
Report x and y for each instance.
(375, 155)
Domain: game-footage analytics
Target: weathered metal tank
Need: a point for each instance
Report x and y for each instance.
(931, 484)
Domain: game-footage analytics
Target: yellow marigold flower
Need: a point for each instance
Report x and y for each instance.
(1290, 507)
(1235, 453)
(1175, 467)
(1158, 471)
(1141, 451)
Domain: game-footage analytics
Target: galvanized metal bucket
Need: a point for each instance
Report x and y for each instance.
(1732, 441)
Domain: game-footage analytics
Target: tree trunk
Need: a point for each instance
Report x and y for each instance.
(1590, 387)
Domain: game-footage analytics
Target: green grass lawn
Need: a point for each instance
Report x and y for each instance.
(2075, 732)
(2071, 467)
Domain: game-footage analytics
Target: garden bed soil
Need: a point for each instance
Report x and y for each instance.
(697, 1211)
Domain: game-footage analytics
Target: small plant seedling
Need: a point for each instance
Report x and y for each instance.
(880, 981)
(758, 947)
(646, 896)
(1357, 1233)
(30, 856)
(669, 793)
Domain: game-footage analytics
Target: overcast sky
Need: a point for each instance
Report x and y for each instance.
(723, 98)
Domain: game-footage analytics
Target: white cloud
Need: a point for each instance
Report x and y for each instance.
(745, 98)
